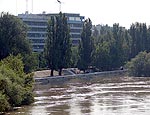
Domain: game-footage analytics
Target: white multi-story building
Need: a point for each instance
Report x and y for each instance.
(37, 28)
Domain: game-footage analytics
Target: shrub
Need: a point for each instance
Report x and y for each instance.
(140, 65)
(15, 86)
(4, 105)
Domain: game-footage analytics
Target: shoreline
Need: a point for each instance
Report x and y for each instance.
(55, 79)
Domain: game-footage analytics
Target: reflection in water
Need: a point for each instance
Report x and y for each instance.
(99, 96)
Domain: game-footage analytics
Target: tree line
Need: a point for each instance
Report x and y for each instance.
(104, 49)
(16, 63)
(107, 48)
(115, 46)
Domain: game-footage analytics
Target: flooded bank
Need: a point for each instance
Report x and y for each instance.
(97, 96)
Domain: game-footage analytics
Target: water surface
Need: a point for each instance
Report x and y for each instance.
(98, 96)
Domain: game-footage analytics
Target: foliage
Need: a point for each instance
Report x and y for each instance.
(86, 46)
(15, 86)
(4, 105)
(12, 36)
(74, 56)
(42, 61)
(13, 40)
(112, 47)
(15, 63)
(140, 38)
(140, 65)
(58, 46)
(31, 62)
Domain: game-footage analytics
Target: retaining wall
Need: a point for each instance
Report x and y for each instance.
(57, 79)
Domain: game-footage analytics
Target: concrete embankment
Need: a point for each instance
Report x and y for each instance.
(56, 79)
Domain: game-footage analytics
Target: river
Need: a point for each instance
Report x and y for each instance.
(97, 96)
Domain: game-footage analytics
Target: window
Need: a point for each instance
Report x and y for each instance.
(37, 40)
(31, 23)
(75, 41)
(38, 29)
(76, 36)
(36, 35)
(75, 30)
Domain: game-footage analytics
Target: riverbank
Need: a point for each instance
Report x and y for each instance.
(56, 79)
(46, 73)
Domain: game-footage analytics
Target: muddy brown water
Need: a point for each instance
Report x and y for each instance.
(98, 96)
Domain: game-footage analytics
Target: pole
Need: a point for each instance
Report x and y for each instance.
(59, 7)
(26, 5)
(32, 6)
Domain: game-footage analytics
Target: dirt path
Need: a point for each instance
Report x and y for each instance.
(44, 73)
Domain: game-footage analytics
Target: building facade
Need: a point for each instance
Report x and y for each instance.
(37, 28)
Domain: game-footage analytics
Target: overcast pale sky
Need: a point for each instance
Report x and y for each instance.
(124, 12)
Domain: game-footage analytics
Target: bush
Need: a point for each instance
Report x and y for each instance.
(15, 86)
(140, 65)
(28, 98)
(15, 63)
(4, 105)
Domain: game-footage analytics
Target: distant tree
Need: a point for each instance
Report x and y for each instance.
(112, 47)
(95, 32)
(117, 49)
(86, 46)
(140, 65)
(13, 38)
(64, 43)
(140, 38)
(42, 63)
(31, 62)
(102, 58)
(74, 56)
(58, 45)
(50, 48)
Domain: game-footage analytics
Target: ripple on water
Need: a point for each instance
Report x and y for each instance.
(103, 96)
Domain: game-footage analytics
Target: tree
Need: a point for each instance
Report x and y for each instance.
(140, 65)
(50, 47)
(31, 62)
(16, 87)
(121, 46)
(140, 38)
(74, 56)
(102, 55)
(112, 47)
(86, 46)
(12, 36)
(58, 46)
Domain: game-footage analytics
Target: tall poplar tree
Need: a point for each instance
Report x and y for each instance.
(58, 45)
(86, 46)
(140, 38)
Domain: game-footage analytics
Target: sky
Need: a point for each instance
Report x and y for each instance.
(124, 12)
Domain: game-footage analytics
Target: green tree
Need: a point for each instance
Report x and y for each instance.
(86, 46)
(31, 62)
(140, 38)
(112, 47)
(12, 36)
(58, 46)
(74, 56)
(102, 57)
(140, 65)
(51, 46)
(15, 86)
